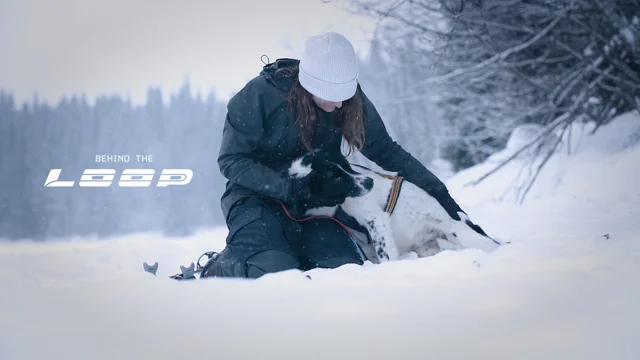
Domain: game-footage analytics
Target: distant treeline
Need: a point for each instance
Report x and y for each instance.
(184, 132)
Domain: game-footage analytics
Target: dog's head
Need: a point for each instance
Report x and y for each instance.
(330, 175)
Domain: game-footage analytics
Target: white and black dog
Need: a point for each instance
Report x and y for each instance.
(418, 223)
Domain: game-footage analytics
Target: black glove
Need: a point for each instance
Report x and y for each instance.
(447, 202)
(300, 194)
(298, 190)
(476, 228)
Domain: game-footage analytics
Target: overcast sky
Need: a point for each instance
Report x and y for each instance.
(61, 47)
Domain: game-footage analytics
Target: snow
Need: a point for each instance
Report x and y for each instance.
(566, 288)
(628, 35)
(599, 167)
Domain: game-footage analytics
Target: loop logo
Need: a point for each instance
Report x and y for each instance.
(128, 178)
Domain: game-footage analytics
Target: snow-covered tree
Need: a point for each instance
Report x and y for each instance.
(500, 63)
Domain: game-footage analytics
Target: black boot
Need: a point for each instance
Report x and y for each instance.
(208, 270)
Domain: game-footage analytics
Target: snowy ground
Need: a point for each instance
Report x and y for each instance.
(566, 288)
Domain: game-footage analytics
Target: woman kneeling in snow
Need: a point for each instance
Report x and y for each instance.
(291, 108)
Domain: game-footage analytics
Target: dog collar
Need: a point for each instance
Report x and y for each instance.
(394, 194)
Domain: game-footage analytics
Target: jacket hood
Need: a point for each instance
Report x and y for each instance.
(281, 81)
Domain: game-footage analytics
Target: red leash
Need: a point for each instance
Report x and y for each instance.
(314, 217)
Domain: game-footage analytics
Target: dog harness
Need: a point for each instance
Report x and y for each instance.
(396, 186)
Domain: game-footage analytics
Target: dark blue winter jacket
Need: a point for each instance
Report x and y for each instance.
(259, 141)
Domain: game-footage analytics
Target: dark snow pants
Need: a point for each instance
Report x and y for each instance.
(262, 239)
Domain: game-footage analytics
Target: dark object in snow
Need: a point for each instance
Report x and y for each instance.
(308, 277)
(186, 273)
(189, 273)
(208, 270)
(150, 268)
(606, 236)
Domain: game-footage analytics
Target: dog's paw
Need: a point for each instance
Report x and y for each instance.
(445, 244)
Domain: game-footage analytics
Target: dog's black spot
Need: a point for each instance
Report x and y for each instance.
(382, 254)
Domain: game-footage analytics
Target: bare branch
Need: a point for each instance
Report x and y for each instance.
(542, 135)
(497, 57)
(544, 161)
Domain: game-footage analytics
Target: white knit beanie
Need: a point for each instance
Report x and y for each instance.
(329, 67)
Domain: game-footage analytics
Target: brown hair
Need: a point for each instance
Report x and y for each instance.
(350, 115)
